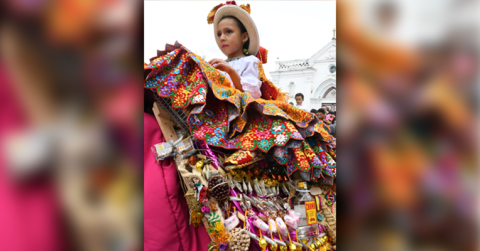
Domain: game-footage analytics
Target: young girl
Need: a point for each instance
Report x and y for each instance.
(241, 68)
(232, 105)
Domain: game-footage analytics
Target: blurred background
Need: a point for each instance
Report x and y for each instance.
(408, 125)
(71, 125)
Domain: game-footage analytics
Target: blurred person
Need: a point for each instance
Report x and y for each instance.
(333, 129)
(408, 170)
(299, 101)
(322, 115)
(90, 145)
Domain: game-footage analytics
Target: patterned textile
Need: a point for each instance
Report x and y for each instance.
(241, 159)
(226, 117)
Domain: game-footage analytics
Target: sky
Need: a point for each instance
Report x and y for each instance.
(288, 29)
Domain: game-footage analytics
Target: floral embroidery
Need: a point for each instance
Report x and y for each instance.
(280, 139)
(221, 119)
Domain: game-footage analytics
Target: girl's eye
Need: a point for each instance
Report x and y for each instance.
(229, 31)
(218, 34)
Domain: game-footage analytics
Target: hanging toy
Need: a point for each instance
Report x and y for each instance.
(196, 218)
(213, 206)
(330, 197)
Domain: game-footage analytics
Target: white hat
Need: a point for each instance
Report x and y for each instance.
(240, 12)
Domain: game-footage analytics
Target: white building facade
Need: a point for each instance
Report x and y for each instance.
(314, 77)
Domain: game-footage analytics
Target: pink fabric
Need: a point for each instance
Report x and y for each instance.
(29, 212)
(166, 217)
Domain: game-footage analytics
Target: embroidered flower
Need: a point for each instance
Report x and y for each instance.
(199, 98)
(316, 161)
(280, 139)
(213, 140)
(172, 82)
(296, 135)
(229, 144)
(225, 93)
(277, 129)
(263, 134)
(220, 131)
(186, 68)
(200, 133)
(194, 120)
(264, 143)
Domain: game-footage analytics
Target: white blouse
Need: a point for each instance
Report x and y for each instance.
(247, 68)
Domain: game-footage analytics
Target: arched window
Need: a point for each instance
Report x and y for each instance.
(330, 93)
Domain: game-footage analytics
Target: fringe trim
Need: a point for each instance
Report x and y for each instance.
(281, 96)
(211, 15)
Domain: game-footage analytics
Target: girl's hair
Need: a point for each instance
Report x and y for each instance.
(242, 29)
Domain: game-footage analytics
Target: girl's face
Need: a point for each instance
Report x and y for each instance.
(231, 38)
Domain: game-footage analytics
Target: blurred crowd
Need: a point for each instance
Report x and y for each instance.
(71, 132)
(408, 149)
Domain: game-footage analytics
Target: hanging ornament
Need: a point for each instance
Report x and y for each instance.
(192, 160)
(330, 197)
(262, 242)
(196, 218)
(292, 247)
(199, 165)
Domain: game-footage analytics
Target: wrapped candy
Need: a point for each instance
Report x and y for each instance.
(281, 226)
(231, 222)
(291, 222)
(271, 223)
(260, 224)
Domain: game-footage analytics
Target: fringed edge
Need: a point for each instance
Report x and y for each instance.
(281, 96)
(266, 56)
(246, 7)
(211, 15)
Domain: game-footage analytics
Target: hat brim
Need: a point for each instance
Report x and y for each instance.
(245, 19)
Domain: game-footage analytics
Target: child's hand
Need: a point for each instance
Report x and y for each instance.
(221, 65)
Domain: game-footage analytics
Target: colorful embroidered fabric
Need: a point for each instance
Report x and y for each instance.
(225, 117)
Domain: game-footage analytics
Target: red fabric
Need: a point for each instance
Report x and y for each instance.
(166, 217)
(262, 54)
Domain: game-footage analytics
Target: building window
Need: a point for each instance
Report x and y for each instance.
(330, 93)
(333, 69)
